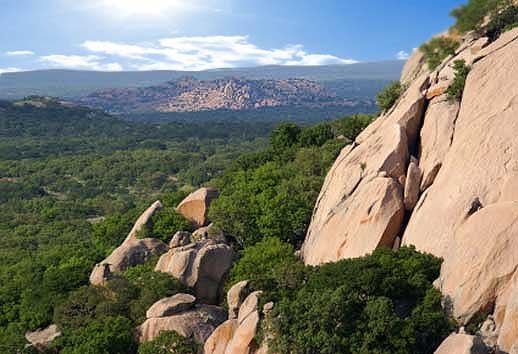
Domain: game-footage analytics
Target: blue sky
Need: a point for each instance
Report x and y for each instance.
(204, 34)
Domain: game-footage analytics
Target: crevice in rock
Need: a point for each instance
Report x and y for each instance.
(479, 58)
(475, 206)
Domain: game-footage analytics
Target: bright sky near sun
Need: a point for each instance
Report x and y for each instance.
(116, 35)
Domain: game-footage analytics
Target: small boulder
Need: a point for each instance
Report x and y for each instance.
(196, 205)
(171, 305)
(181, 238)
(210, 232)
(42, 337)
(235, 297)
(462, 344)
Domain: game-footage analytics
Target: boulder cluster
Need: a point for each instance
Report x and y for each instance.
(440, 175)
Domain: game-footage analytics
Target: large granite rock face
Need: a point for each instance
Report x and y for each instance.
(436, 137)
(197, 323)
(131, 252)
(201, 266)
(482, 154)
(469, 214)
(467, 210)
(414, 67)
(196, 205)
(462, 344)
(356, 210)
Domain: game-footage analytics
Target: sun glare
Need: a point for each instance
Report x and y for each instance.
(142, 7)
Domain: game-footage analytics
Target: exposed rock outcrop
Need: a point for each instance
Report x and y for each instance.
(462, 344)
(467, 212)
(196, 205)
(356, 210)
(235, 297)
(236, 336)
(131, 252)
(201, 266)
(42, 338)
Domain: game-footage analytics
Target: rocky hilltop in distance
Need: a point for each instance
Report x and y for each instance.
(191, 95)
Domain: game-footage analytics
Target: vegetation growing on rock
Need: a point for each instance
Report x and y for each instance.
(438, 49)
(471, 16)
(456, 89)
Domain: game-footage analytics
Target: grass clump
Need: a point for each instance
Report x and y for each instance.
(438, 49)
(456, 89)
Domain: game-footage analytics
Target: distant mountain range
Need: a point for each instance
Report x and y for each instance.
(357, 81)
(192, 95)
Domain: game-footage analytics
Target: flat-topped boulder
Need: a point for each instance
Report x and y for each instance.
(197, 324)
(171, 305)
(196, 205)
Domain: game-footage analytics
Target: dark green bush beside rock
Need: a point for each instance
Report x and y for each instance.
(388, 97)
(270, 266)
(502, 22)
(470, 16)
(168, 342)
(456, 89)
(382, 303)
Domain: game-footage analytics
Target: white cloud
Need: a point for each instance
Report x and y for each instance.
(20, 53)
(89, 62)
(211, 52)
(402, 55)
(9, 70)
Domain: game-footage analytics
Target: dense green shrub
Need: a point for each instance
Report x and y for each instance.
(168, 342)
(470, 16)
(437, 49)
(351, 127)
(456, 89)
(502, 22)
(388, 97)
(284, 136)
(382, 303)
(109, 335)
(129, 295)
(270, 266)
